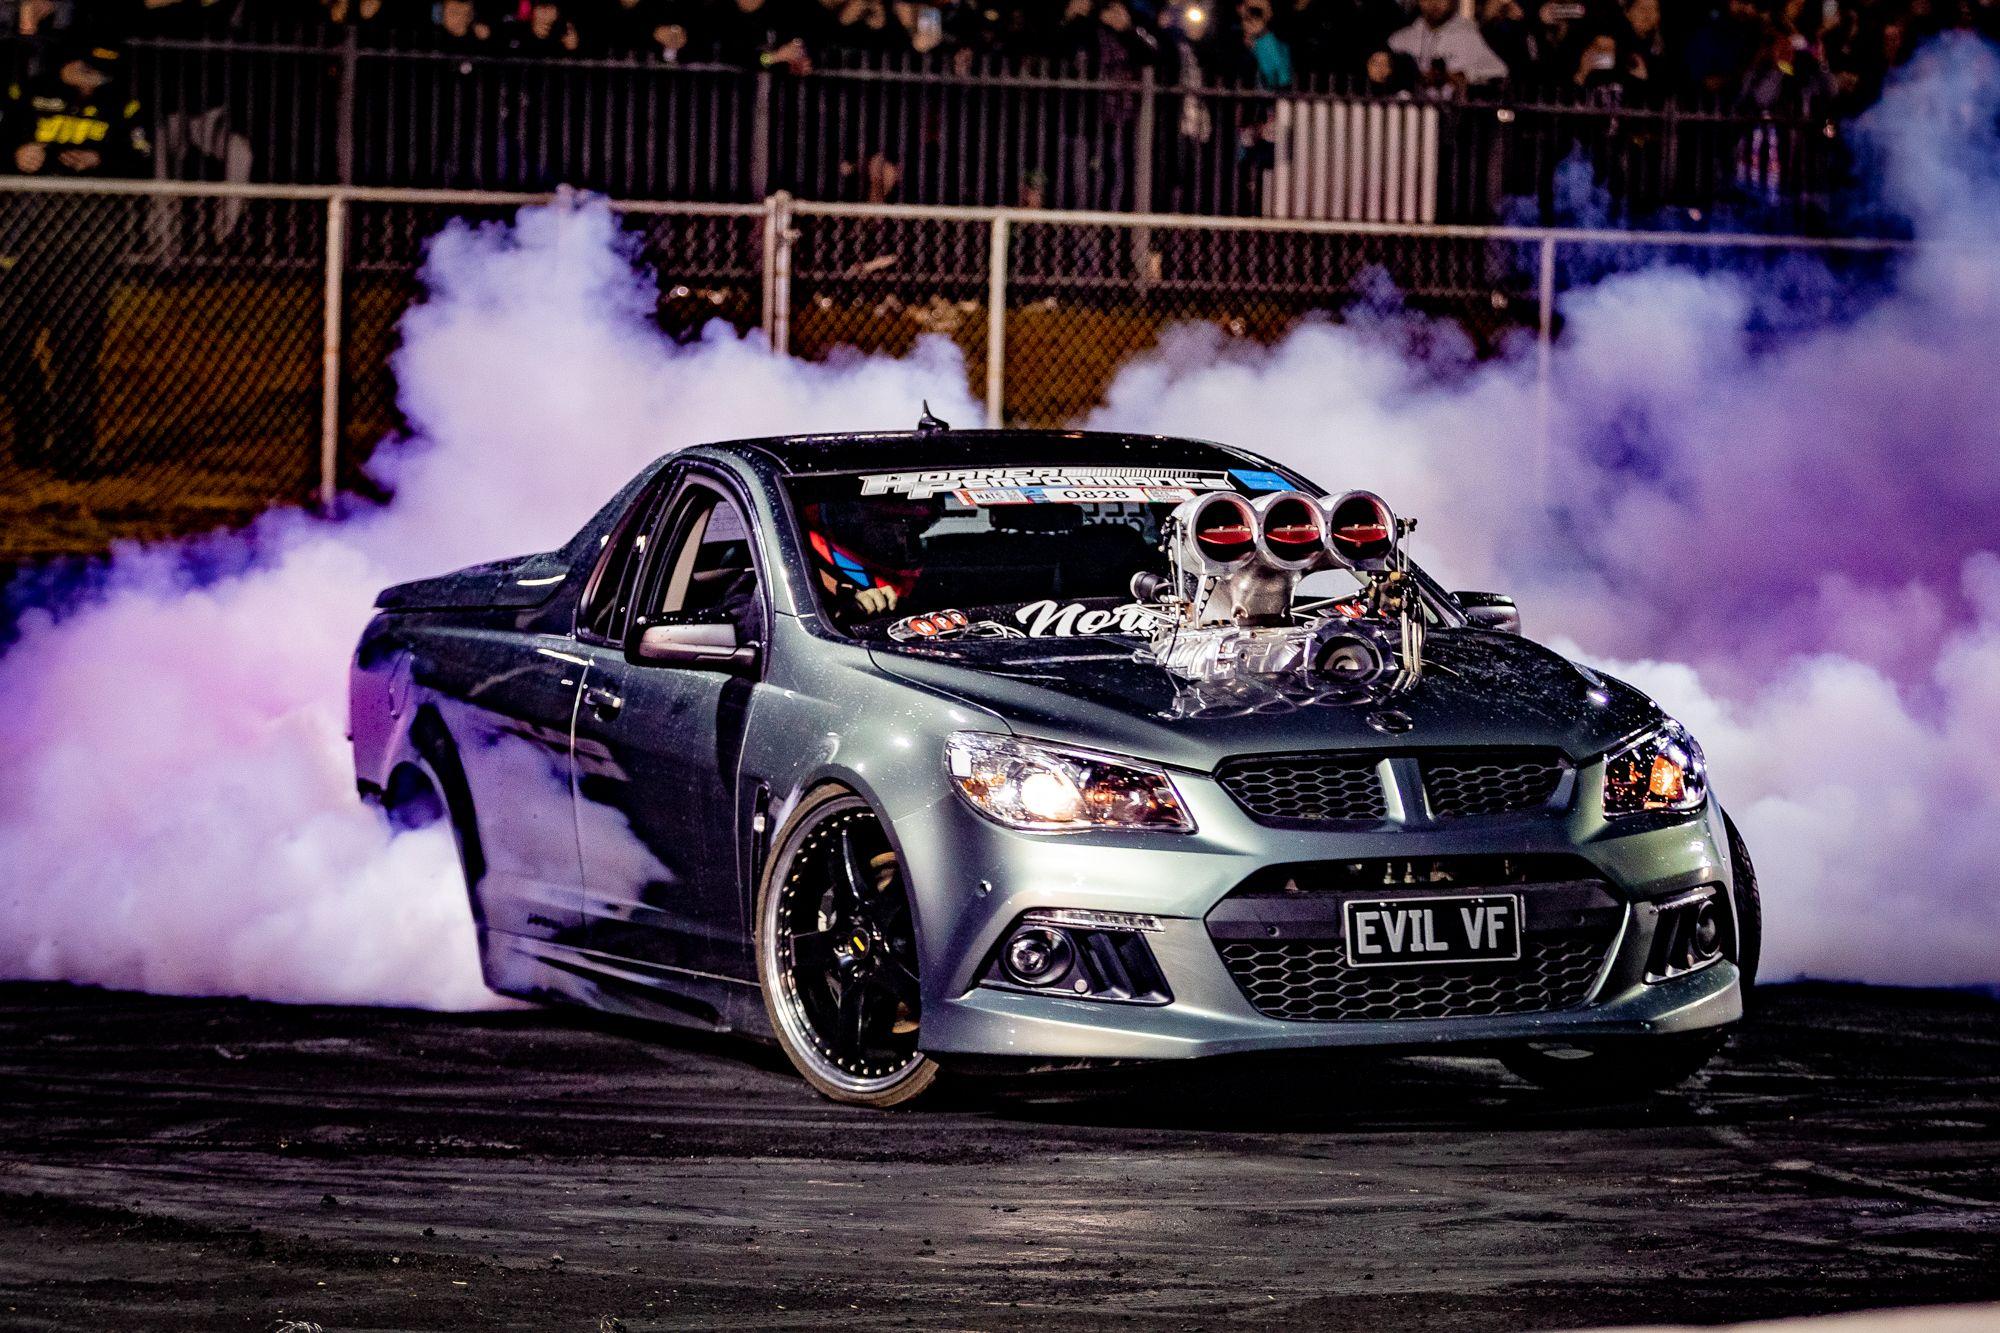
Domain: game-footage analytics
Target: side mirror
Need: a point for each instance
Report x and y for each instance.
(711, 644)
(1490, 610)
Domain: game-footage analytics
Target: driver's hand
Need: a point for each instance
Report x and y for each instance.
(876, 601)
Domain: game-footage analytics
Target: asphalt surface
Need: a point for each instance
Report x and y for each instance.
(214, 1164)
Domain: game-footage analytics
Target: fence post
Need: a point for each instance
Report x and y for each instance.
(1545, 332)
(332, 350)
(778, 271)
(760, 135)
(1142, 178)
(346, 109)
(996, 322)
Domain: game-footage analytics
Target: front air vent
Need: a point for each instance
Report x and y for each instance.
(1491, 782)
(1306, 788)
(1311, 980)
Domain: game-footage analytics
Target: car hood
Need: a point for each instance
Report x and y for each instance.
(1478, 688)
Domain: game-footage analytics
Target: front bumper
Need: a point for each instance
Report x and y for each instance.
(973, 880)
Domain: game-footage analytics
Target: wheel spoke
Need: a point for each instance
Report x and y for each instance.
(893, 910)
(813, 949)
(896, 979)
(854, 871)
(854, 1017)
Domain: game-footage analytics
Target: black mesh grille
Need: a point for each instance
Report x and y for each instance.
(1310, 980)
(1312, 787)
(1494, 783)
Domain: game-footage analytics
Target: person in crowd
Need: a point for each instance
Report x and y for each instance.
(31, 18)
(1875, 52)
(1034, 190)
(546, 33)
(1786, 77)
(461, 30)
(1515, 39)
(77, 121)
(81, 121)
(1265, 61)
(922, 25)
(1604, 73)
(464, 129)
(869, 28)
(375, 22)
(526, 137)
(661, 30)
(873, 180)
(1648, 56)
(199, 134)
(1447, 47)
(37, 26)
(1562, 29)
(1106, 44)
(761, 33)
(1388, 74)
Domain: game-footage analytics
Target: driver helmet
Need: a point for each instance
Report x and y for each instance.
(879, 542)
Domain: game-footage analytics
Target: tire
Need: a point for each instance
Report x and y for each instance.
(1615, 1071)
(1749, 909)
(836, 955)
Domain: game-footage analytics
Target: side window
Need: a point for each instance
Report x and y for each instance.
(707, 568)
(608, 600)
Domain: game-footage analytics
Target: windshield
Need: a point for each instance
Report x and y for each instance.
(1045, 550)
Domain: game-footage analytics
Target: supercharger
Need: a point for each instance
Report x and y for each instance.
(1226, 608)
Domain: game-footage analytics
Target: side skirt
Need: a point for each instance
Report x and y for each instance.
(546, 971)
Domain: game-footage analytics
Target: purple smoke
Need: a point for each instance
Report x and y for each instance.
(1788, 536)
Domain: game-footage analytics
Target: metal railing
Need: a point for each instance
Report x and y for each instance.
(176, 357)
(301, 111)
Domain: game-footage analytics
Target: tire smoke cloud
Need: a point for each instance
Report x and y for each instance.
(178, 810)
(1792, 539)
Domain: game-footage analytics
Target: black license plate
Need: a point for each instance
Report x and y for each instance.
(1389, 932)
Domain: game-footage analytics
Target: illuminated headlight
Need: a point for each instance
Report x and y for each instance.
(1663, 770)
(1050, 789)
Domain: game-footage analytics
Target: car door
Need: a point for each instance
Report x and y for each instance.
(658, 750)
(509, 714)
(497, 729)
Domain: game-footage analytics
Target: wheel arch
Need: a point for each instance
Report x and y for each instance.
(432, 743)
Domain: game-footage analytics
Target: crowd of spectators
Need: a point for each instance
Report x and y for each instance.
(1817, 55)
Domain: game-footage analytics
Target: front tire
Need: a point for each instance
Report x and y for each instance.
(1749, 909)
(837, 955)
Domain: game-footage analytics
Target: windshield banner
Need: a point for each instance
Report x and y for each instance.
(1048, 485)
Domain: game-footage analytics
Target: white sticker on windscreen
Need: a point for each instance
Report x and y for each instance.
(1048, 485)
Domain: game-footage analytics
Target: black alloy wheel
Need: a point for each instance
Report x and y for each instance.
(837, 955)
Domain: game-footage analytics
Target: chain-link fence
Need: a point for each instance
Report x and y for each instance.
(175, 358)
(308, 104)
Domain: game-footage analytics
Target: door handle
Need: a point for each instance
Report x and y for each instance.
(603, 702)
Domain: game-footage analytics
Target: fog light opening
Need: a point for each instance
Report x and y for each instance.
(1037, 956)
(1691, 932)
(1706, 945)
(1080, 953)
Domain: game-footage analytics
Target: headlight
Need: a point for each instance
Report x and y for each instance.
(1663, 770)
(1049, 789)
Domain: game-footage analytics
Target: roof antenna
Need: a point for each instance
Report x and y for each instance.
(930, 423)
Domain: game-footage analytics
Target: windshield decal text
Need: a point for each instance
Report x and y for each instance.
(925, 485)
